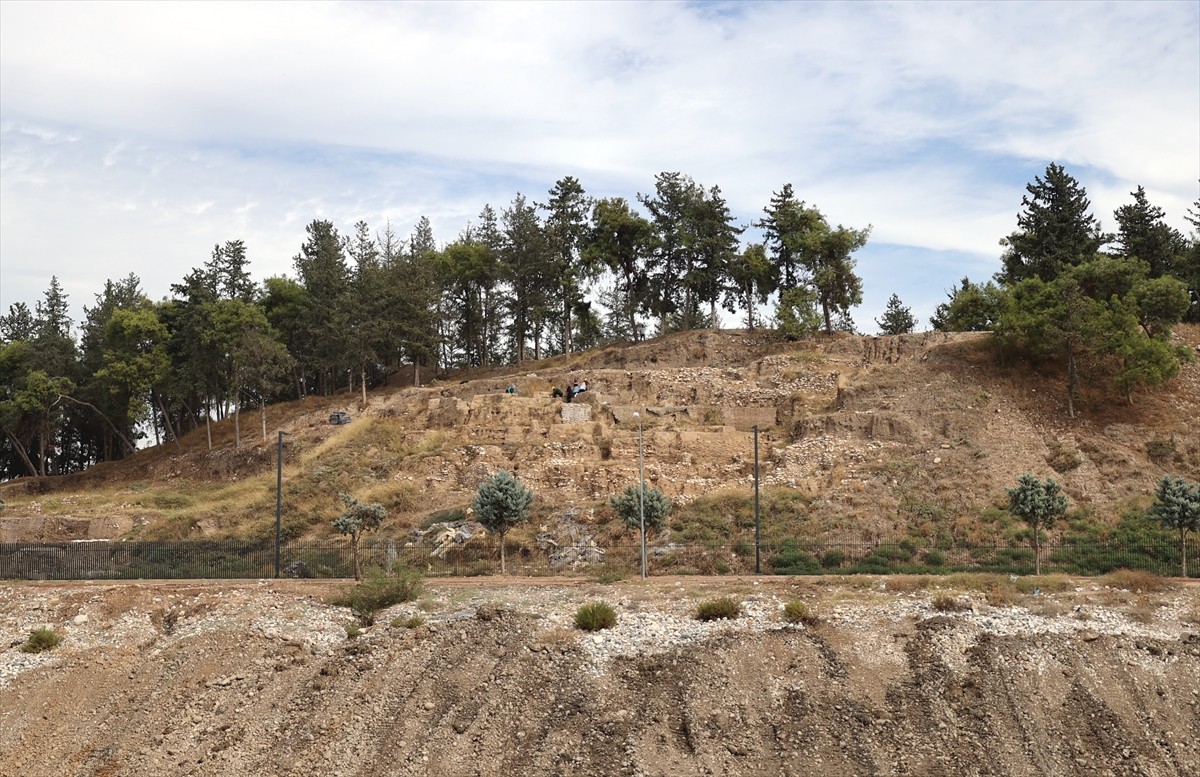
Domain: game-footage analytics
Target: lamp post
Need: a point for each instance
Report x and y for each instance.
(278, 500)
(641, 494)
(757, 515)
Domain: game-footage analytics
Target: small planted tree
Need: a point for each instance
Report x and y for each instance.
(896, 319)
(358, 519)
(1039, 504)
(656, 504)
(1177, 506)
(502, 503)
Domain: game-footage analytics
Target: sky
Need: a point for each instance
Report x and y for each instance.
(136, 136)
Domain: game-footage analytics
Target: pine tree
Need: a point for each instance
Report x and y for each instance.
(896, 319)
(1177, 506)
(1143, 233)
(500, 504)
(1039, 504)
(1054, 231)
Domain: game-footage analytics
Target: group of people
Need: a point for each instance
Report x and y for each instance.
(573, 390)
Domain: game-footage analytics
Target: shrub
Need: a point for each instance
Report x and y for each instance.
(380, 589)
(1159, 449)
(947, 603)
(411, 622)
(595, 616)
(717, 609)
(934, 558)
(833, 559)
(1136, 581)
(792, 560)
(797, 611)
(353, 630)
(39, 640)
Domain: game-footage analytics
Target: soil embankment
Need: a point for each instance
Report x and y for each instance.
(260, 679)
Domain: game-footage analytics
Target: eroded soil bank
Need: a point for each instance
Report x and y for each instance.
(260, 679)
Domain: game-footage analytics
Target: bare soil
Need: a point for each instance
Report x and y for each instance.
(936, 678)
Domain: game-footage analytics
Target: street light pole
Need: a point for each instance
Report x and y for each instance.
(278, 500)
(757, 516)
(641, 494)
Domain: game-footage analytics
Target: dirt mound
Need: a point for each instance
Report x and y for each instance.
(240, 679)
(879, 433)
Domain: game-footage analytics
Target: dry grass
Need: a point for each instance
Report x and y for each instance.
(947, 603)
(1136, 581)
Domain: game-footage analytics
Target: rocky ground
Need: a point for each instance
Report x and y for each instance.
(898, 676)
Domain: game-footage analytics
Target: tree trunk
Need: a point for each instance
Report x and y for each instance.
(237, 425)
(20, 449)
(363, 382)
(1183, 551)
(566, 332)
(503, 569)
(113, 426)
(262, 411)
(167, 423)
(354, 541)
(1072, 381)
(1037, 552)
(208, 425)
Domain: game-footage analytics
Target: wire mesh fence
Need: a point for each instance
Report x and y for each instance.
(200, 559)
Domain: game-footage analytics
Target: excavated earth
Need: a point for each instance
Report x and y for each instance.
(260, 678)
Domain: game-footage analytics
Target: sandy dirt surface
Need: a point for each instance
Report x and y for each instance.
(260, 678)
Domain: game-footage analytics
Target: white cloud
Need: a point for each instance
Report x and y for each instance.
(139, 134)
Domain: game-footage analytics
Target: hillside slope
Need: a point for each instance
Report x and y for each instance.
(872, 436)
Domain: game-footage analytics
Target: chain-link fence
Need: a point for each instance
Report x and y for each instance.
(108, 560)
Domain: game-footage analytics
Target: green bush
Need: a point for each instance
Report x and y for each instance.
(39, 640)
(380, 589)
(793, 560)
(718, 609)
(934, 558)
(595, 616)
(833, 559)
(797, 611)
(353, 630)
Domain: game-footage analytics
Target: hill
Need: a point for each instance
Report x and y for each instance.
(860, 438)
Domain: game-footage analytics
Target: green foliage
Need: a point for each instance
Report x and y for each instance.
(380, 589)
(1039, 504)
(797, 611)
(40, 640)
(629, 505)
(353, 630)
(796, 314)
(896, 319)
(358, 518)
(595, 616)
(1177, 506)
(722, 608)
(501, 503)
(1054, 231)
(972, 307)
(791, 559)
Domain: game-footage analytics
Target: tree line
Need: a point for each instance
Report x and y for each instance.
(529, 281)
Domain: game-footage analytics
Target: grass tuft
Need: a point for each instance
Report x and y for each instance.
(722, 608)
(797, 611)
(40, 640)
(595, 616)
